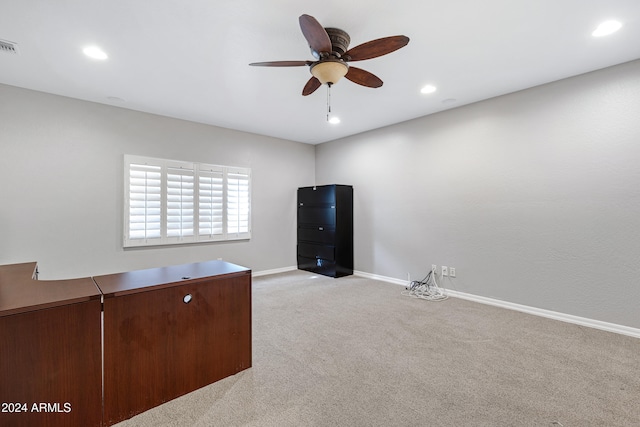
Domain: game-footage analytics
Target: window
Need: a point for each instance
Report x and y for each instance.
(172, 202)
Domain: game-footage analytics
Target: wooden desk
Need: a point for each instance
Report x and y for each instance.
(50, 350)
(158, 347)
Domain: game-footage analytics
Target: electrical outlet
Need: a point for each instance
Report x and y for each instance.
(445, 271)
(434, 268)
(452, 272)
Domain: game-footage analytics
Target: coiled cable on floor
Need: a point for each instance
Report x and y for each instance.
(426, 288)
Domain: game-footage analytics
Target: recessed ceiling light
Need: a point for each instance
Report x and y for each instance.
(334, 120)
(428, 89)
(606, 28)
(95, 52)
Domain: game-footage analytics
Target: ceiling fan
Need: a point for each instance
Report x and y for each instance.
(329, 48)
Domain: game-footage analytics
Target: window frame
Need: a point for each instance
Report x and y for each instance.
(180, 203)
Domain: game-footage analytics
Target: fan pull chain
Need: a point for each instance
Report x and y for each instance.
(328, 100)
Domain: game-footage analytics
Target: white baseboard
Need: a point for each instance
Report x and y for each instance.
(582, 321)
(274, 271)
(381, 278)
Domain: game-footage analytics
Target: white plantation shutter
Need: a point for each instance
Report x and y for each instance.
(144, 202)
(237, 202)
(169, 202)
(180, 202)
(210, 202)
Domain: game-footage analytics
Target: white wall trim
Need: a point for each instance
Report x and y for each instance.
(582, 321)
(274, 271)
(381, 278)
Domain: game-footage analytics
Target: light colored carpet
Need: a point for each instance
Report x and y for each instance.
(355, 352)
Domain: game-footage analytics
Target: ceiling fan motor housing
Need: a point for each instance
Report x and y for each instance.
(339, 40)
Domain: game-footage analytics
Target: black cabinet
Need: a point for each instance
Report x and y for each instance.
(325, 229)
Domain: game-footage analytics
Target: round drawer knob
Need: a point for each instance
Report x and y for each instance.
(187, 298)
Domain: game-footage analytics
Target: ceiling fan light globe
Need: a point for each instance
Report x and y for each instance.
(329, 71)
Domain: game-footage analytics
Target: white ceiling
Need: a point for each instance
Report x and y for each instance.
(189, 59)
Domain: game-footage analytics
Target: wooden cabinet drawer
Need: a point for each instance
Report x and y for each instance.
(52, 356)
(163, 339)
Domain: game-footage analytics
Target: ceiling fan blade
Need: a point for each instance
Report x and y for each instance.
(362, 77)
(376, 48)
(311, 86)
(315, 34)
(281, 63)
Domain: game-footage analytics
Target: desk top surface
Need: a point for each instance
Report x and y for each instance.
(21, 292)
(142, 280)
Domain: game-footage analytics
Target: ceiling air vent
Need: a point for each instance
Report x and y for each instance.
(8, 47)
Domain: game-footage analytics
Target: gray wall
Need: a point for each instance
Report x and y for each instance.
(61, 174)
(534, 197)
